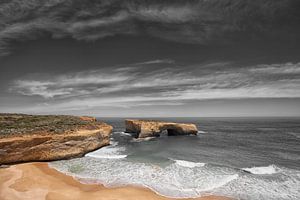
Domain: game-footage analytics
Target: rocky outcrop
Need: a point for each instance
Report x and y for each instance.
(41, 138)
(147, 128)
(87, 118)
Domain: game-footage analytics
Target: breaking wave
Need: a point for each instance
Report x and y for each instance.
(108, 152)
(173, 180)
(107, 156)
(124, 133)
(142, 139)
(201, 132)
(271, 169)
(189, 164)
(179, 181)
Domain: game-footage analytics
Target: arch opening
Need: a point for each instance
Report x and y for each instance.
(172, 132)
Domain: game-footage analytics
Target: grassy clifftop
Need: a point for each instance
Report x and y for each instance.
(26, 138)
(19, 124)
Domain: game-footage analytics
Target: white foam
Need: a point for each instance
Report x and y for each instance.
(201, 132)
(108, 152)
(124, 133)
(178, 190)
(180, 182)
(172, 181)
(271, 169)
(112, 143)
(225, 179)
(107, 156)
(189, 164)
(142, 139)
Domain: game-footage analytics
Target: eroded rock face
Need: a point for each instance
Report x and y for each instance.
(40, 138)
(147, 128)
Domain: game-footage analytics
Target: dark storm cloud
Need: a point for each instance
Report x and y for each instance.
(190, 21)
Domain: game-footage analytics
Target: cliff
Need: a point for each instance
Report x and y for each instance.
(49, 137)
(147, 128)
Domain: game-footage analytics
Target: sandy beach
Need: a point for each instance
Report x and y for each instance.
(36, 181)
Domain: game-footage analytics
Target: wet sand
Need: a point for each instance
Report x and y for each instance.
(36, 181)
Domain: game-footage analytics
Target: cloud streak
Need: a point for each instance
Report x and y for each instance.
(142, 84)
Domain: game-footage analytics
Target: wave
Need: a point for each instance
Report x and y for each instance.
(171, 181)
(271, 169)
(174, 181)
(224, 180)
(201, 132)
(113, 143)
(142, 139)
(189, 164)
(124, 133)
(107, 156)
(108, 152)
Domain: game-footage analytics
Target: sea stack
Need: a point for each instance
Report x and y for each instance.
(150, 128)
(26, 138)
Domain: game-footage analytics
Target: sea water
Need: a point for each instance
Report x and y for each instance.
(243, 158)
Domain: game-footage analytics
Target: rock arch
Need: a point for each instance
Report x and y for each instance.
(148, 128)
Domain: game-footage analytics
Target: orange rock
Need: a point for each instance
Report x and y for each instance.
(86, 118)
(45, 144)
(148, 128)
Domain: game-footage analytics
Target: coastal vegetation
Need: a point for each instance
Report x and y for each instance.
(19, 124)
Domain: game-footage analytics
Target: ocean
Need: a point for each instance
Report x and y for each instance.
(243, 158)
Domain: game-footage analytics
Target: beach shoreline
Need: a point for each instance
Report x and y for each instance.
(40, 182)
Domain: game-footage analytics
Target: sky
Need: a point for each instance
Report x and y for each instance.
(158, 58)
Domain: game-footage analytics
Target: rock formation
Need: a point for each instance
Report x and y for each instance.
(48, 137)
(147, 128)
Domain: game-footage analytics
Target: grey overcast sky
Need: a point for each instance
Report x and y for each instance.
(158, 58)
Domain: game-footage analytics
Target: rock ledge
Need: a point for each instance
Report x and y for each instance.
(26, 138)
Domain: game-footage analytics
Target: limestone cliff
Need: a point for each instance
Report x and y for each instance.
(147, 128)
(49, 137)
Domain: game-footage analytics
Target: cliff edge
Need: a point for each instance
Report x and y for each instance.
(26, 138)
(149, 128)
